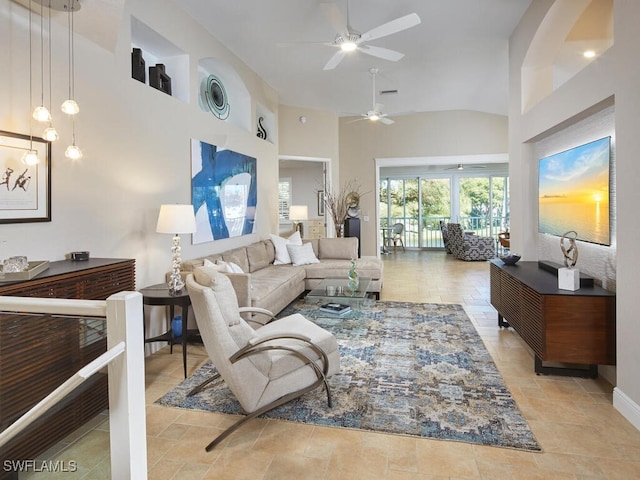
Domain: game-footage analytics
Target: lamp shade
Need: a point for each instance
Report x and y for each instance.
(298, 212)
(176, 219)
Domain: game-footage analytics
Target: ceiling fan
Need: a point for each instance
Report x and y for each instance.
(460, 166)
(347, 39)
(375, 114)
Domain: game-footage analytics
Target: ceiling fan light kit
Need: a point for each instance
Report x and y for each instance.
(349, 40)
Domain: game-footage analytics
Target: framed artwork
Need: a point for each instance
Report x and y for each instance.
(321, 203)
(224, 187)
(25, 190)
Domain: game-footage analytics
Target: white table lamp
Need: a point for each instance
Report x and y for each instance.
(297, 213)
(176, 219)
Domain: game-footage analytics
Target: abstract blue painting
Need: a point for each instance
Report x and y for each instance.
(223, 192)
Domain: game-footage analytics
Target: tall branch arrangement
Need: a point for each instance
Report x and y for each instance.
(338, 202)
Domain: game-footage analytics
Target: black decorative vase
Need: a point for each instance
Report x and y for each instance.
(159, 79)
(138, 70)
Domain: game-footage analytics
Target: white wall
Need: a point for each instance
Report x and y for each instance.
(135, 139)
(434, 134)
(615, 75)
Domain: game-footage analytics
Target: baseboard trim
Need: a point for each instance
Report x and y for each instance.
(627, 407)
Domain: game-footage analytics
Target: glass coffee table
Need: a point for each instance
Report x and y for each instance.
(336, 290)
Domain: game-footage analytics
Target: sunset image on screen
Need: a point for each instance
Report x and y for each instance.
(574, 192)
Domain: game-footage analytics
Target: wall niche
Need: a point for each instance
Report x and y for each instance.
(158, 62)
(223, 94)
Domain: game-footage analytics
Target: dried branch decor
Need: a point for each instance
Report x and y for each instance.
(338, 203)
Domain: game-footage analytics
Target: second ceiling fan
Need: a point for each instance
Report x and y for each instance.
(347, 39)
(375, 114)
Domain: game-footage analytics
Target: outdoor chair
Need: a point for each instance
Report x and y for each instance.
(504, 238)
(395, 236)
(469, 247)
(263, 368)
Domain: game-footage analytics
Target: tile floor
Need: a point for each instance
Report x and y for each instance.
(582, 435)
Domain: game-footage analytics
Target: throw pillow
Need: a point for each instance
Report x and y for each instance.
(209, 264)
(302, 254)
(280, 243)
(234, 268)
(229, 267)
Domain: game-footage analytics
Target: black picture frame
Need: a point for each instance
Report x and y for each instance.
(25, 190)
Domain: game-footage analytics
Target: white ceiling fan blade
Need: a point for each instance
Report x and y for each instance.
(364, 117)
(335, 17)
(386, 120)
(380, 52)
(393, 26)
(335, 60)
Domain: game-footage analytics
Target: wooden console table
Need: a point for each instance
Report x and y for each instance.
(37, 353)
(560, 326)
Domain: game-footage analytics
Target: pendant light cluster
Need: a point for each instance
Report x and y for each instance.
(41, 113)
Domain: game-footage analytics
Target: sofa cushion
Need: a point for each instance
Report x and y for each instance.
(276, 286)
(280, 244)
(237, 256)
(314, 244)
(258, 256)
(302, 254)
(338, 248)
(271, 250)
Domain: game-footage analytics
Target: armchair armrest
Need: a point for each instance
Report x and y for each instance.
(254, 318)
(256, 345)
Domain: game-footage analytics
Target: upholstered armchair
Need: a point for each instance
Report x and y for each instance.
(468, 246)
(263, 368)
(445, 236)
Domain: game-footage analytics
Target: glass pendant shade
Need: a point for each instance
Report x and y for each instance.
(70, 107)
(73, 152)
(30, 158)
(41, 114)
(50, 134)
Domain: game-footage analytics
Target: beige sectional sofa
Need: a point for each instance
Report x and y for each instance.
(265, 285)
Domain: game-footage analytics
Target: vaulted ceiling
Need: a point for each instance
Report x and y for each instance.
(456, 58)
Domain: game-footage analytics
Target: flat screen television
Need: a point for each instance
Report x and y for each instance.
(573, 192)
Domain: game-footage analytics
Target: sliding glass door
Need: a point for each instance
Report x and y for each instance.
(479, 203)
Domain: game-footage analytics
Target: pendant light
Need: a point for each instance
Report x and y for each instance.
(41, 113)
(30, 157)
(50, 133)
(70, 106)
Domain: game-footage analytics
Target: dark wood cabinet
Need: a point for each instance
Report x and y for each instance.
(352, 229)
(38, 352)
(560, 326)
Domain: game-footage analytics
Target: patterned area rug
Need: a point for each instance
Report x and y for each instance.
(406, 368)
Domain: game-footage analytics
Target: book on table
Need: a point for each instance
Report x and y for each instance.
(337, 308)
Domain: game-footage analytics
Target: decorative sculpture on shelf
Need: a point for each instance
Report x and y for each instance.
(571, 252)
(262, 131)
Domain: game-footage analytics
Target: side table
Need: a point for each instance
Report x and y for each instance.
(158, 295)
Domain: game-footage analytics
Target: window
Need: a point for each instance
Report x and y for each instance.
(284, 198)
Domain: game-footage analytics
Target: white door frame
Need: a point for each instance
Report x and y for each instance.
(328, 221)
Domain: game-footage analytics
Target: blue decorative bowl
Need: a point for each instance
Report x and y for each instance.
(510, 259)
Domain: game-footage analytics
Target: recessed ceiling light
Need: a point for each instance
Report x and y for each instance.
(589, 54)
